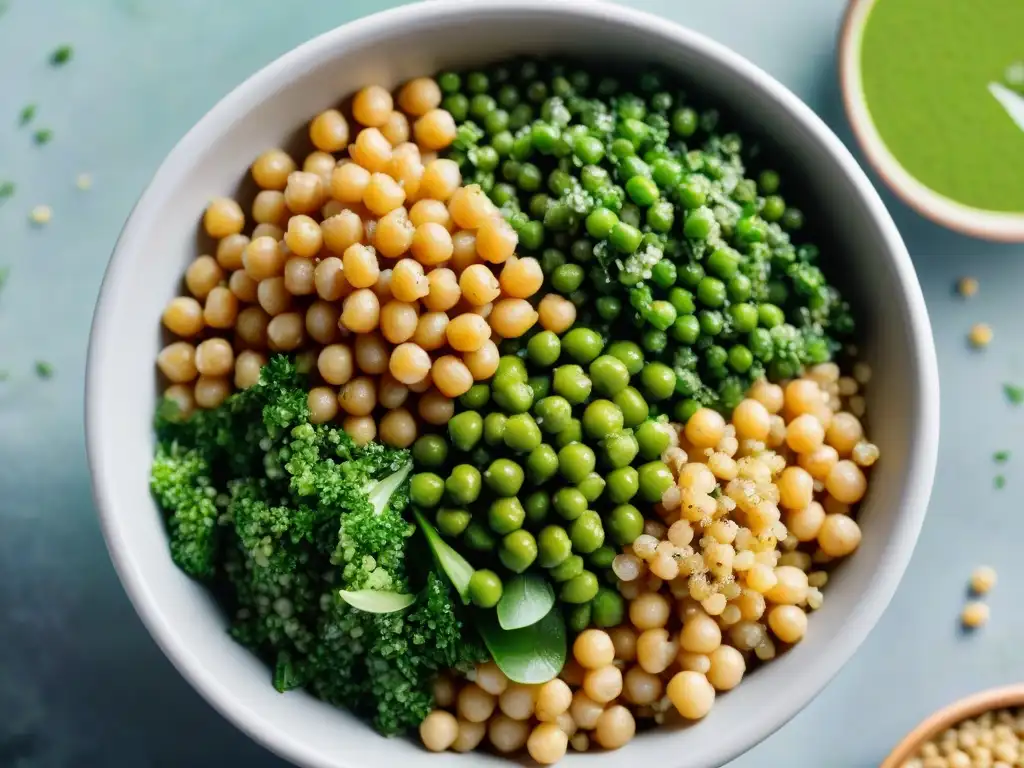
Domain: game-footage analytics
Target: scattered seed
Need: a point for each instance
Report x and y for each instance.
(967, 287)
(41, 215)
(84, 181)
(983, 579)
(980, 335)
(975, 614)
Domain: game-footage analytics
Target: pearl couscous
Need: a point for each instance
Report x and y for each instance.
(991, 740)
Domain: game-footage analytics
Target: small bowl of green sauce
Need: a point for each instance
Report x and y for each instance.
(935, 95)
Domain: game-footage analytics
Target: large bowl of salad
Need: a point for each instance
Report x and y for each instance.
(514, 379)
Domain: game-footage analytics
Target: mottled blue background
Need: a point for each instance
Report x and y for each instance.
(82, 684)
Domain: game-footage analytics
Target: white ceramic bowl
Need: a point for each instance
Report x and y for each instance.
(160, 238)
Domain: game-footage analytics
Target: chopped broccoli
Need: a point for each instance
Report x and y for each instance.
(277, 515)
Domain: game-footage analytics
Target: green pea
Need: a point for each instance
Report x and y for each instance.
(573, 433)
(625, 237)
(579, 589)
(740, 358)
(773, 209)
(682, 300)
(661, 315)
(739, 288)
(476, 397)
(567, 278)
(569, 568)
(770, 316)
(518, 551)
(699, 223)
(494, 428)
(623, 484)
(607, 609)
(465, 430)
(452, 522)
(686, 329)
(620, 449)
(544, 349)
(603, 556)
(540, 385)
(684, 409)
(723, 262)
(576, 461)
(692, 192)
(522, 434)
(569, 502)
(572, 383)
(643, 191)
(504, 477)
(711, 321)
(664, 274)
(426, 489)
(577, 617)
(485, 588)
(691, 274)
(760, 343)
(510, 369)
(479, 538)
(711, 292)
(537, 506)
(629, 354)
(661, 216)
(592, 486)
(515, 397)
(654, 340)
(715, 357)
(463, 484)
(684, 122)
(744, 317)
(587, 532)
(655, 478)
(602, 418)
(430, 451)
(600, 223)
(582, 344)
(608, 307)
(632, 405)
(625, 523)
(652, 437)
(609, 374)
(553, 546)
(505, 515)
(541, 464)
(553, 413)
(659, 381)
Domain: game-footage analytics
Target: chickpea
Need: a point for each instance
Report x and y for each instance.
(751, 419)
(360, 266)
(419, 96)
(177, 361)
(322, 164)
(655, 650)
(468, 332)
(229, 252)
(788, 622)
(396, 130)
(556, 314)
(790, 588)
(268, 207)
(211, 391)
(271, 169)
(584, 710)
(649, 611)
(431, 244)
(641, 688)
(843, 433)
(691, 694)
(443, 291)
(805, 523)
(223, 217)
(323, 404)
(305, 192)
(273, 296)
(805, 433)
(547, 743)
(839, 535)
(244, 287)
(303, 236)
(434, 130)
(361, 311)
(329, 131)
(430, 211)
(372, 353)
(603, 685)
(349, 182)
(624, 639)
(796, 488)
(846, 482)
(593, 649)
(286, 332)
(521, 278)
(182, 397)
(394, 234)
(391, 393)
(247, 368)
(329, 279)
(507, 735)
(263, 258)
(495, 239)
(518, 701)
(451, 376)
(299, 276)
(472, 209)
(802, 396)
(483, 362)
(371, 150)
(705, 428)
(358, 397)
(221, 308)
(408, 283)
(479, 286)
(362, 429)
(407, 171)
(463, 250)
(272, 231)
(511, 318)
(615, 727)
(409, 363)
(440, 179)
(382, 194)
(184, 316)
(431, 331)
(470, 734)
(372, 106)
(398, 320)
(335, 364)
(251, 327)
(700, 634)
(553, 699)
(202, 276)
(439, 730)
(214, 357)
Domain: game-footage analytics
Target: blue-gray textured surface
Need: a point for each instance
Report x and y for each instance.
(81, 683)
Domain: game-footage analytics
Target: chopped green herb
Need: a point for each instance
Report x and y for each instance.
(44, 370)
(1014, 393)
(1001, 457)
(28, 112)
(6, 189)
(1000, 481)
(42, 136)
(4, 375)
(61, 56)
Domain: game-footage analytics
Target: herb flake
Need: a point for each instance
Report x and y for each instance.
(6, 189)
(1001, 457)
(61, 55)
(42, 136)
(27, 114)
(44, 370)
(999, 482)
(1014, 393)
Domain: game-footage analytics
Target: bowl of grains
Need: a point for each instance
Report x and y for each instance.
(983, 729)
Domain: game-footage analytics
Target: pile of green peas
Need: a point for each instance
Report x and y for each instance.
(549, 465)
(643, 213)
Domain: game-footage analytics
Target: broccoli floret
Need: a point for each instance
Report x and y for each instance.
(180, 481)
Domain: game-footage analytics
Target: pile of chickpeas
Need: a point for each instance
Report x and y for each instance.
(761, 505)
(991, 740)
(378, 270)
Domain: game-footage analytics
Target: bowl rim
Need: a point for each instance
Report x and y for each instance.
(1003, 227)
(969, 706)
(923, 451)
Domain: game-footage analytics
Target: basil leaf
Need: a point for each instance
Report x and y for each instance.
(530, 655)
(455, 566)
(525, 600)
(376, 600)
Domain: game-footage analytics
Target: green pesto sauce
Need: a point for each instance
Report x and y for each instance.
(926, 66)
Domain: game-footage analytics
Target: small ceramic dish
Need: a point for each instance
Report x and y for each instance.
(947, 717)
(942, 127)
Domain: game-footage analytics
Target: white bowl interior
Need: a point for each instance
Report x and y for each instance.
(864, 250)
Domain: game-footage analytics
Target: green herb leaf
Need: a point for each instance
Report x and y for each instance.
(61, 56)
(530, 655)
(42, 136)
(44, 370)
(376, 601)
(1014, 393)
(28, 112)
(525, 600)
(1000, 481)
(1001, 457)
(458, 570)
(6, 189)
